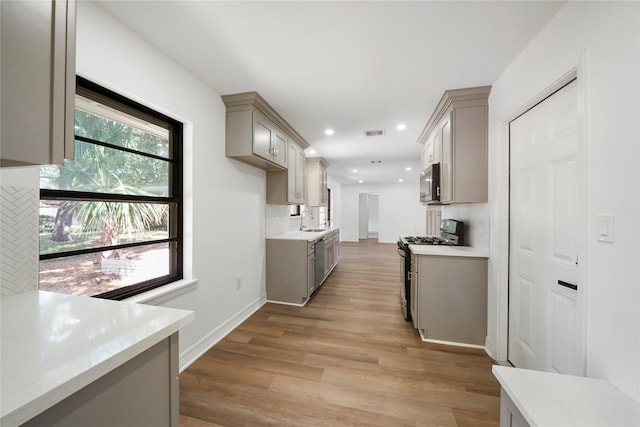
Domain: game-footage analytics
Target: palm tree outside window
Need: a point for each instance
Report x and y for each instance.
(110, 220)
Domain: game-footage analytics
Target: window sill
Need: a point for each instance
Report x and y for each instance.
(164, 293)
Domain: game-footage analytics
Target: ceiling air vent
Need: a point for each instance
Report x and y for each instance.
(373, 132)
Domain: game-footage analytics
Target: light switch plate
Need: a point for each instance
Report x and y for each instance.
(604, 228)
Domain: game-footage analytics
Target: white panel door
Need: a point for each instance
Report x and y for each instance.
(543, 330)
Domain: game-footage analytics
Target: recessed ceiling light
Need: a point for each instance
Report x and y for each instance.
(355, 170)
(408, 168)
(328, 132)
(312, 151)
(360, 181)
(400, 180)
(401, 126)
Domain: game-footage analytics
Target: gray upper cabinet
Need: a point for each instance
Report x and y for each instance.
(287, 187)
(317, 194)
(37, 81)
(263, 135)
(269, 142)
(457, 134)
(256, 134)
(297, 188)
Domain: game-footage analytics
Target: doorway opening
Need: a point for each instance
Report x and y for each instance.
(368, 214)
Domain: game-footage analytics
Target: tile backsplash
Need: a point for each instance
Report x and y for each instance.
(476, 219)
(19, 243)
(279, 219)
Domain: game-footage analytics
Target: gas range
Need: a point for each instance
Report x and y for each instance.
(425, 240)
(451, 234)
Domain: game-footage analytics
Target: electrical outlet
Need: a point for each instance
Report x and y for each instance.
(238, 282)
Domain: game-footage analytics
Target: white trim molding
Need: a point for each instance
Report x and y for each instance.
(203, 345)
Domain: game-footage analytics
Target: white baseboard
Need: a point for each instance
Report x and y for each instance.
(289, 303)
(457, 344)
(488, 344)
(203, 345)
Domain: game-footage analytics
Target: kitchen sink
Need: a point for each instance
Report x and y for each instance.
(315, 230)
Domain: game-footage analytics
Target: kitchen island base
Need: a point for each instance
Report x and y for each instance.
(530, 398)
(141, 392)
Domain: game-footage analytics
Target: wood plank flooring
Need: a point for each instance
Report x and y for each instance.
(348, 358)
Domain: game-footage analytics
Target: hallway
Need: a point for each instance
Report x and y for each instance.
(347, 358)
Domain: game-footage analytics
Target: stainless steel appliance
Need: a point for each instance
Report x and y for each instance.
(430, 184)
(451, 234)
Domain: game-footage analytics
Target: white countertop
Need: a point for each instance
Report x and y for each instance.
(443, 250)
(303, 235)
(550, 399)
(55, 344)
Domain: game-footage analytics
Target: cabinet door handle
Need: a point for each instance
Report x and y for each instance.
(568, 285)
(438, 191)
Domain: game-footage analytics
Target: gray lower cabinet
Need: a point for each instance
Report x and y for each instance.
(331, 248)
(414, 291)
(290, 270)
(510, 416)
(142, 392)
(449, 298)
(38, 81)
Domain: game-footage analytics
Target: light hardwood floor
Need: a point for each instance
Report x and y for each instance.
(348, 358)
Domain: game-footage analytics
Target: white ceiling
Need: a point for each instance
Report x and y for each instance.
(349, 66)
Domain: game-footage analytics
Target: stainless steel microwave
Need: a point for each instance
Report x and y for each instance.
(430, 184)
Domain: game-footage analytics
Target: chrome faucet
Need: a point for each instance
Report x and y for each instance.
(302, 226)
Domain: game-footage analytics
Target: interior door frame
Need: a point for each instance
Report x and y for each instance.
(363, 216)
(502, 343)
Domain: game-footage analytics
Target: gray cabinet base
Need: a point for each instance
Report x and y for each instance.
(142, 392)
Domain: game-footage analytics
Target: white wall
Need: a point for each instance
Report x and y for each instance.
(224, 199)
(399, 210)
(606, 37)
(336, 200)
